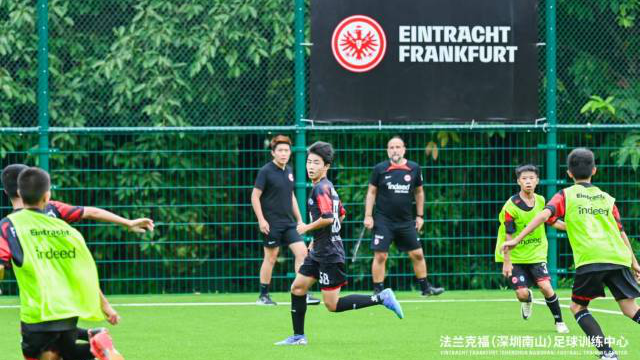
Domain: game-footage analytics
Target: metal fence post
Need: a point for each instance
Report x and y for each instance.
(552, 141)
(43, 83)
(300, 104)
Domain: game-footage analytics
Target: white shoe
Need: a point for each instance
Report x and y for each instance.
(609, 356)
(562, 328)
(527, 307)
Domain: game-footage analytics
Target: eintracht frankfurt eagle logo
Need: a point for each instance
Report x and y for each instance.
(358, 43)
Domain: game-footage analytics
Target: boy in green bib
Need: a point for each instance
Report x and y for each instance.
(601, 250)
(526, 264)
(69, 214)
(56, 275)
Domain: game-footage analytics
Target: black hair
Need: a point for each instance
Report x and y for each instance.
(581, 163)
(33, 184)
(322, 149)
(524, 168)
(10, 179)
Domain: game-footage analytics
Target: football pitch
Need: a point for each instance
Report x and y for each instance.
(457, 325)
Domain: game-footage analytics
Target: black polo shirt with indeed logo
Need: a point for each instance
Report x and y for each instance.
(396, 185)
(277, 187)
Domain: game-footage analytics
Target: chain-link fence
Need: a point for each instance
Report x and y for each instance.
(151, 63)
(197, 187)
(598, 55)
(230, 64)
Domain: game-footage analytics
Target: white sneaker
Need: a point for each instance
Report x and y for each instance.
(527, 307)
(609, 356)
(562, 328)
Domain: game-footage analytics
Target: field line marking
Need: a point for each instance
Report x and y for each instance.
(204, 304)
(538, 302)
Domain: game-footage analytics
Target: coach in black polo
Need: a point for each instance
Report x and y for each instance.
(394, 186)
(276, 208)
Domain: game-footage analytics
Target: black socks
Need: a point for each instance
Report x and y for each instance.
(378, 287)
(354, 302)
(424, 285)
(264, 289)
(298, 310)
(554, 306)
(590, 327)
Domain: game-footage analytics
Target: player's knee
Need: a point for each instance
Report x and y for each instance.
(416, 256)
(576, 308)
(630, 311)
(380, 257)
(271, 258)
(49, 355)
(522, 294)
(546, 289)
(301, 255)
(331, 305)
(298, 290)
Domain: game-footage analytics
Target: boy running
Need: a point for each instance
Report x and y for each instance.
(527, 263)
(601, 249)
(326, 260)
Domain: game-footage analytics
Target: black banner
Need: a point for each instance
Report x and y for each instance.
(424, 60)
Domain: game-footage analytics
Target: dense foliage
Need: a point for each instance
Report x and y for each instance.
(230, 62)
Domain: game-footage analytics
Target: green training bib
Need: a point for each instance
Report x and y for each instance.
(592, 229)
(533, 248)
(58, 278)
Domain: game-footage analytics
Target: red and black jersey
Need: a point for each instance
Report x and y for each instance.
(327, 243)
(10, 248)
(396, 185)
(558, 206)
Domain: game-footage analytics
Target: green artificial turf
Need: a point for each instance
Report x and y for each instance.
(237, 329)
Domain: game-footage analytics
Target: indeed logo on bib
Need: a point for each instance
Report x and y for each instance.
(52, 254)
(592, 211)
(399, 189)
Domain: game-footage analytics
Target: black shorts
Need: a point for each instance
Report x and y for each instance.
(61, 342)
(526, 275)
(281, 235)
(589, 286)
(403, 234)
(331, 276)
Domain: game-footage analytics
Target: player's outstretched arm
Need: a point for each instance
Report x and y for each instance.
(559, 225)
(140, 225)
(110, 314)
(543, 216)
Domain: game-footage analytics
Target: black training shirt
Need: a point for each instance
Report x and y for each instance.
(396, 185)
(277, 187)
(327, 243)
